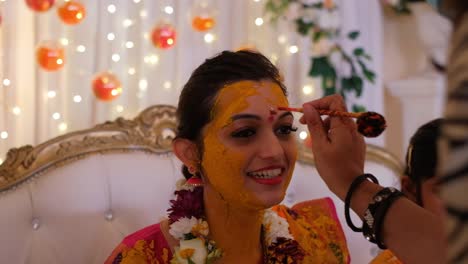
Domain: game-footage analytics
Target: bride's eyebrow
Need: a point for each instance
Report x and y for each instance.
(245, 116)
(285, 114)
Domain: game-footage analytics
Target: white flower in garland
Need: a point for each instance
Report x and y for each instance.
(191, 251)
(275, 226)
(185, 226)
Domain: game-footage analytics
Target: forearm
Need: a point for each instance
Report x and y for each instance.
(412, 233)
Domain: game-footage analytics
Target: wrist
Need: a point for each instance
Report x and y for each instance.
(363, 197)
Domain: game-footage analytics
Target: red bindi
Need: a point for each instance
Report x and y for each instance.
(272, 114)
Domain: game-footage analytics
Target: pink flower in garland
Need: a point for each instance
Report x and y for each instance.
(187, 204)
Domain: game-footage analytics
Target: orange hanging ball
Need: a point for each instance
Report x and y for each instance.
(71, 12)
(201, 23)
(106, 86)
(50, 55)
(163, 36)
(40, 5)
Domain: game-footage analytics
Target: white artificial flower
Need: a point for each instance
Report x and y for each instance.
(309, 15)
(199, 254)
(329, 19)
(277, 227)
(182, 226)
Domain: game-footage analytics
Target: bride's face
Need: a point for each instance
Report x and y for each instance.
(249, 150)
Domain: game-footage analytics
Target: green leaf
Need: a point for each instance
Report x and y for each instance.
(276, 8)
(317, 35)
(190, 261)
(358, 52)
(302, 27)
(358, 85)
(329, 91)
(354, 35)
(321, 66)
(353, 83)
(358, 108)
(370, 75)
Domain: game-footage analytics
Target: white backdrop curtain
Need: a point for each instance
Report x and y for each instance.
(148, 75)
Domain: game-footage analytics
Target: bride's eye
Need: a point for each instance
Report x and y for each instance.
(285, 129)
(243, 133)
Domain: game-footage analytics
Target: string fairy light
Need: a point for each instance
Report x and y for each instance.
(115, 57)
(81, 48)
(167, 85)
(51, 94)
(127, 22)
(282, 39)
(168, 10)
(77, 98)
(110, 36)
(308, 89)
(143, 85)
(119, 108)
(129, 44)
(63, 127)
(303, 135)
(111, 9)
(16, 110)
(4, 135)
(56, 115)
(6, 82)
(209, 38)
(293, 49)
(64, 41)
(259, 21)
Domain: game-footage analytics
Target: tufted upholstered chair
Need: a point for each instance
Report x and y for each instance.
(73, 198)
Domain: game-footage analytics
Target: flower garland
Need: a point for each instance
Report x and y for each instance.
(187, 223)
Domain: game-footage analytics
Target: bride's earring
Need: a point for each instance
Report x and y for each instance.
(195, 180)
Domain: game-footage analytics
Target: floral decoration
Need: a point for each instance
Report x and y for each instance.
(320, 21)
(187, 223)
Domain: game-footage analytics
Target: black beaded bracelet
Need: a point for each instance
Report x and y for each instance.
(380, 217)
(354, 185)
(369, 220)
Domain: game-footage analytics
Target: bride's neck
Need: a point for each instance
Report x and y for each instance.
(235, 229)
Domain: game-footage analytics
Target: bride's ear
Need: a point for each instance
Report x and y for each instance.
(186, 150)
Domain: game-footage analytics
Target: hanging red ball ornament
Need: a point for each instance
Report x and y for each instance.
(106, 86)
(163, 36)
(40, 5)
(200, 23)
(50, 55)
(71, 12)
(203, 15)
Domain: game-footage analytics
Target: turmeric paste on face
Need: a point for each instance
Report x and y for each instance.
(223, 165)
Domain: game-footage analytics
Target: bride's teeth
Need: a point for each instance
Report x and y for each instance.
(266, 173)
